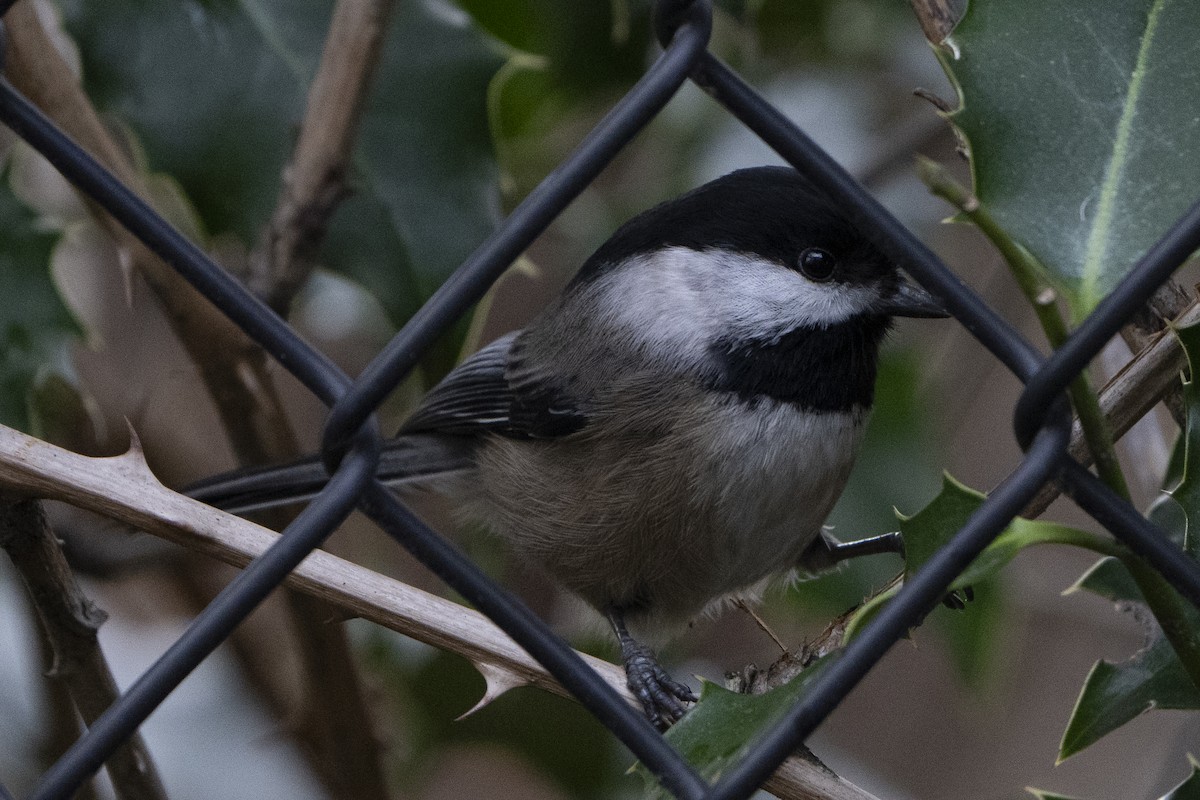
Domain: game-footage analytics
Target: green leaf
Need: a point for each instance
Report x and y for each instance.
(1114, 694)
(211, 103)
(1188, 790)
(1187, 493)
(589, 48)
(35, 325)
(215, 89)
(932, 527)
(425, 146)
(1153, 677)
(1076, 115)
(721, 728)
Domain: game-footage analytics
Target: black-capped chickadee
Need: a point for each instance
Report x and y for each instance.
(674, 429)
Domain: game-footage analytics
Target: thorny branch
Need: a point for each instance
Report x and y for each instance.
(234, 369)
(123, 488)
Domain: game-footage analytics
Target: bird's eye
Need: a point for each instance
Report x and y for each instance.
(817, 264)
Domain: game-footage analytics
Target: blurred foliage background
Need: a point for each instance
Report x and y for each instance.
(474, 102)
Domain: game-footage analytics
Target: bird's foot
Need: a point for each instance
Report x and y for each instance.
(662, 697)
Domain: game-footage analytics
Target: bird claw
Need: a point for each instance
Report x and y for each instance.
(662, 697)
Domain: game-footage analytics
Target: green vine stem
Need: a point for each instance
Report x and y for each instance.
(1042, 297)
(1168, 607)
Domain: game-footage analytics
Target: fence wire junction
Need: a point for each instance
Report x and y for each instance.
(352, 441)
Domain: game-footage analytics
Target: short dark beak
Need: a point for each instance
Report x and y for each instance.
(910, 300)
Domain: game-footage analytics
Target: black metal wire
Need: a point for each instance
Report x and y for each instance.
(527, 221)
(1085, 342)
(920, 594)
(538, 211)
(1138, 533)
(527, 630)
(260, 323)
(684, 26)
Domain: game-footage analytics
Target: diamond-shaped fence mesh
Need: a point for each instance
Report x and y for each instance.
(352, 441)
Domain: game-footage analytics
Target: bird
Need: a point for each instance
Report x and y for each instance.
(673, 430)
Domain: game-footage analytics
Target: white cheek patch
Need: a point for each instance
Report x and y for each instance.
(685, 299)
(757, 297)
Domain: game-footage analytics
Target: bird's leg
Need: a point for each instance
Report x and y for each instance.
(827, 551)
(892, 542)
(661, 696)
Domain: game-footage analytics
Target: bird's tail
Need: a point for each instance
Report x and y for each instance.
(409, 459)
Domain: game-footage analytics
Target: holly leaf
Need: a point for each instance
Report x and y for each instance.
(1075, 115)
(721, 729)
(1152, 678)
(1043, 795)
(1188, 790)
(932, 527)
(213, 89)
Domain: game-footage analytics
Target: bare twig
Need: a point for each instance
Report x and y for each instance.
(123, 489)
(333, 722)
(315, 179)
(64, 725)
(1170, 301)
(1130, 395)
(69, 622)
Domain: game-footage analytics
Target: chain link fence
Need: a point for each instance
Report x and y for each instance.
(352, 441)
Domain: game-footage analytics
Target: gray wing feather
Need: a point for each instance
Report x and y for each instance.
(497, 391)
(473, 398)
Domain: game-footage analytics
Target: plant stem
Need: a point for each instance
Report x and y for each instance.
(1096, 430)
(1174, 614)
(1027, 271)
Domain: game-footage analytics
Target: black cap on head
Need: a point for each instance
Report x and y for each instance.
(771, 212)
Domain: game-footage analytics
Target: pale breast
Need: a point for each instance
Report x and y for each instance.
(663, 519)
(776, 472)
